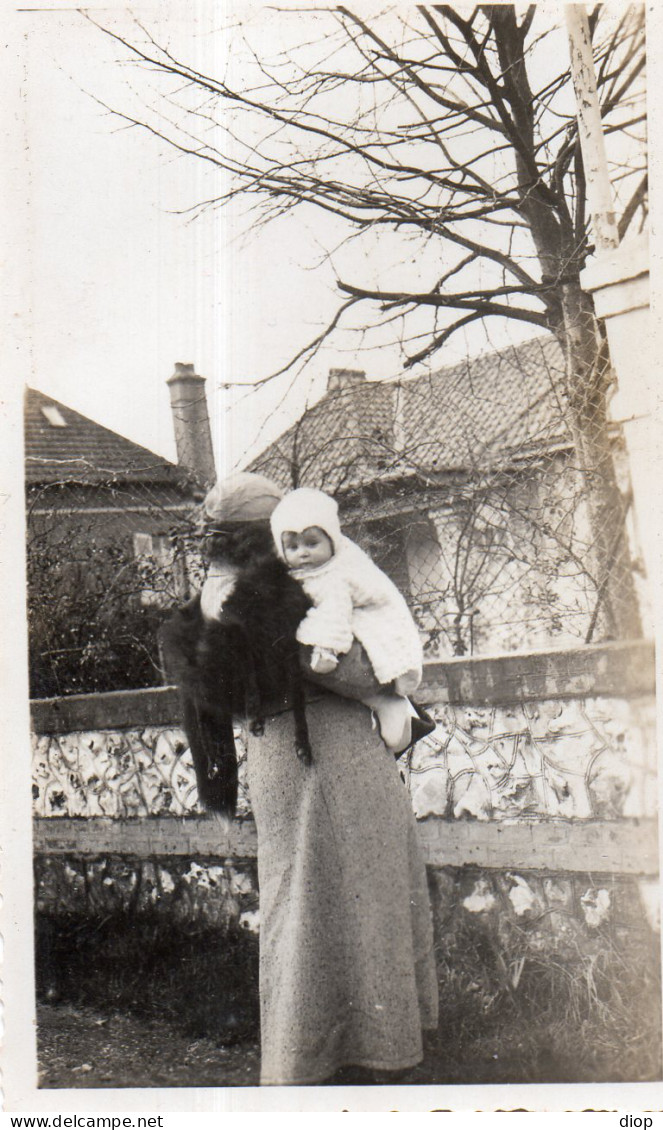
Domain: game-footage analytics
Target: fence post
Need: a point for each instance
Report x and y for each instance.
(590, 128)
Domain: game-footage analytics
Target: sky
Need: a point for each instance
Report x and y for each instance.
(120, 283)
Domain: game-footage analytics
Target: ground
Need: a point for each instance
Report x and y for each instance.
(79, 1047)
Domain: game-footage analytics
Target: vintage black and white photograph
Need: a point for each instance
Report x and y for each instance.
(338, 467)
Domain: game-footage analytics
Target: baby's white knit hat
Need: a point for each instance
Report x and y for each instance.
(302, 508)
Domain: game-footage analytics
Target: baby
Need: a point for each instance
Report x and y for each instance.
(352, 599)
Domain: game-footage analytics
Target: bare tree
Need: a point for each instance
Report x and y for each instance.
(454, 129)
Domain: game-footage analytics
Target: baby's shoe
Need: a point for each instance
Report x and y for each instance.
(421, 724)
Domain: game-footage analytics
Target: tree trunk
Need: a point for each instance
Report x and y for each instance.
(588, 376)
(571, 316)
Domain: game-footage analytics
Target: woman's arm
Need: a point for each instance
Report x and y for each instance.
(353, 678)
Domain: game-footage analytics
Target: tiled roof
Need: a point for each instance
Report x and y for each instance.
(63, 446)
(478, 413)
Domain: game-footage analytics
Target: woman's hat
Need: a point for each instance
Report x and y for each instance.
(243, 497)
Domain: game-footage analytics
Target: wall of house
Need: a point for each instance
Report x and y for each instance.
(86, 551)
(535, 795)
(384, 540)
(504, 566)
(503, 562)
(83, 517)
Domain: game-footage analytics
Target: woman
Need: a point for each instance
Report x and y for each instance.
(347, 972)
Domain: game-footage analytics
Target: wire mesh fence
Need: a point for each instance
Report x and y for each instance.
(472, 489)
(466, 486)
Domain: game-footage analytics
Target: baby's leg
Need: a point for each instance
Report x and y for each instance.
(394, 714)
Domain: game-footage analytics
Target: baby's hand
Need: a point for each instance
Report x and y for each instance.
(323, 660)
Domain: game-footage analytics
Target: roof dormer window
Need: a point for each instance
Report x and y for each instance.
(54, 416)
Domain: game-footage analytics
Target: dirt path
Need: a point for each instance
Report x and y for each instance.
(79, 1047)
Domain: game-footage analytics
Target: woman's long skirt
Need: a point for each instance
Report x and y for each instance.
(347, 972)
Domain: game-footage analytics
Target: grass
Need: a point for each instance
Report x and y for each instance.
(511, 1010)
(527, 1014)
(199, 981)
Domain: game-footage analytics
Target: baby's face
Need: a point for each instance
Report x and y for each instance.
(310, 548)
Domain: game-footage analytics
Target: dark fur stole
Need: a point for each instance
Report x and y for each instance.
(244, 665)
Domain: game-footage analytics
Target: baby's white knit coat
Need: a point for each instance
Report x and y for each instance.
(354, 598)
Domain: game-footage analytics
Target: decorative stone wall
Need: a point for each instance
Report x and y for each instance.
(574, 758)
(569, 908)
(579, 758)
(541, 738)
(119, 773)
(527, 909)
(217, 893)
(549, 734)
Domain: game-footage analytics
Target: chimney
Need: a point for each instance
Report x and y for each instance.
(340, 379)
(193, 437)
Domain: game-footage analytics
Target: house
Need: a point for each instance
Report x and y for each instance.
(462, 485)
(107, 525)
(83, 478)
(75, 468)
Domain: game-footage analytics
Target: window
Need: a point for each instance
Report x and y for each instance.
(54, 416)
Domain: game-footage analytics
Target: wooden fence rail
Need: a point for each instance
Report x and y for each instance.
(627, 847)
(622, 669)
